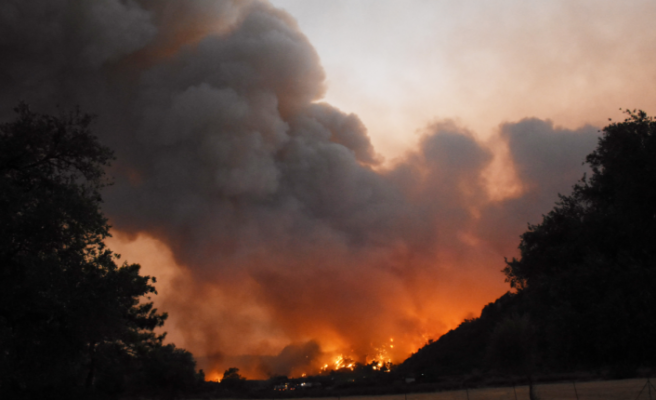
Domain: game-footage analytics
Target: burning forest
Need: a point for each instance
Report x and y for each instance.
(283, 242)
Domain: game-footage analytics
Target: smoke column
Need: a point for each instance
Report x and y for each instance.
(291, 243)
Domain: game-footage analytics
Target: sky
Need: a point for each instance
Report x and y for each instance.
(311, 179)
(399, 65)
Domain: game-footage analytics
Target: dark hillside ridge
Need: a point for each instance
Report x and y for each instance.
(463, 349)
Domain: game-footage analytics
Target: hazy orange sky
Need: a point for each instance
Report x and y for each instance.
(309, 179)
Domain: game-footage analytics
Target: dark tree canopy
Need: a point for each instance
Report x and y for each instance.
(589, 269)
(611, 216)
(68, 312)
(231, 373)
(585, 277)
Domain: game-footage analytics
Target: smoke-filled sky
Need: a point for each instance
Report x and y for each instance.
(310, 179)
(399, 64)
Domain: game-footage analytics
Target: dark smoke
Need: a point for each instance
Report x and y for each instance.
(293, 238)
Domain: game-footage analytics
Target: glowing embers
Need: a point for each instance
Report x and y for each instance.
(340, 362)
(382, 361)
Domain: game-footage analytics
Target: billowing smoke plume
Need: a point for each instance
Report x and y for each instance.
(294, 242)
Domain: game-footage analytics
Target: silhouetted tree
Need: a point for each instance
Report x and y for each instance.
(167, 372)
(589, 268)
(231, 373)
(586, 274)
(65, 305)
(232, 380)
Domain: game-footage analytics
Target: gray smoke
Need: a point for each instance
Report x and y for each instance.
(278, 206)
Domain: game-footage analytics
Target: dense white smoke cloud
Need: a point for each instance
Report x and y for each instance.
(287, 228)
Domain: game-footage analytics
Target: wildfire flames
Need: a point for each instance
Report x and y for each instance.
(379, 362)
(342, 362)
(382, 359)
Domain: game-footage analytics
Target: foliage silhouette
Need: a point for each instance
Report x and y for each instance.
(70, 317)
(586, 274)
(232, 380)
(589, 268)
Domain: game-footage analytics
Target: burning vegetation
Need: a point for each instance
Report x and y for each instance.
(291, 247)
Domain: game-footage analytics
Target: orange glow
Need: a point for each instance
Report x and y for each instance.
(257, 308)
(430, 309)
(213, 376)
